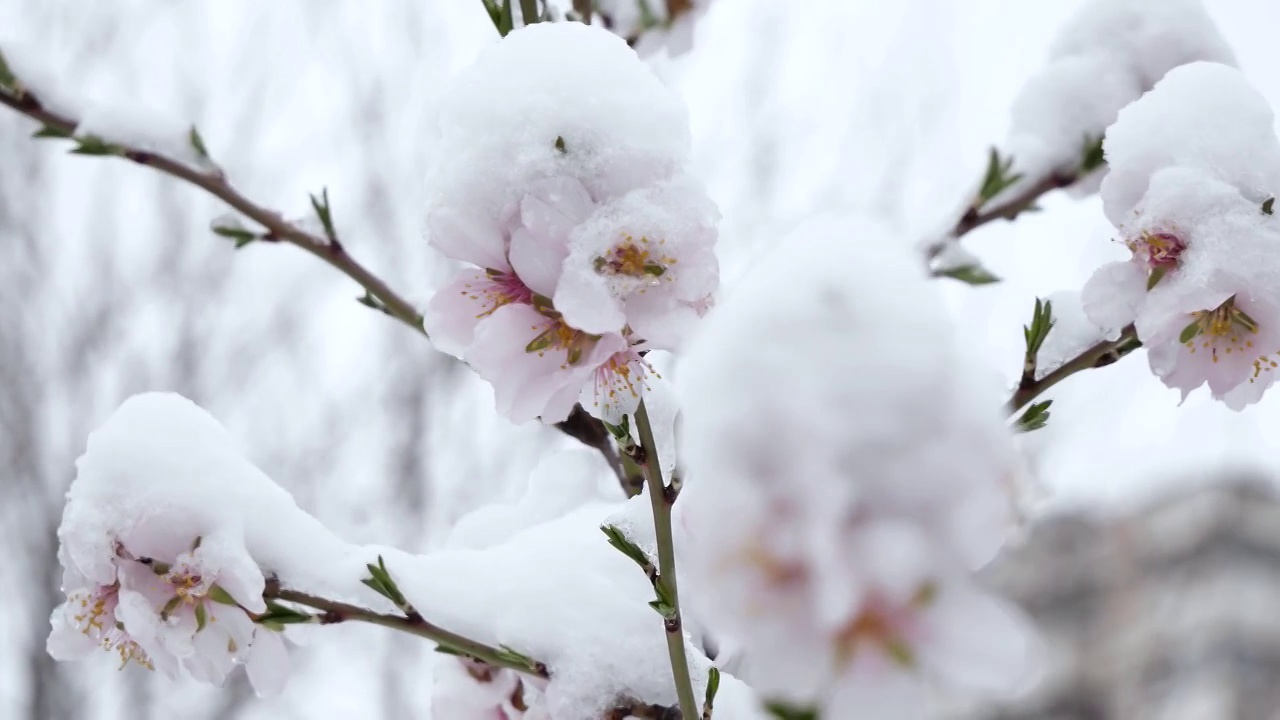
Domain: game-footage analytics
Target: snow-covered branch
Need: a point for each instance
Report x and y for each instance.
(413, 623)
(275, 228)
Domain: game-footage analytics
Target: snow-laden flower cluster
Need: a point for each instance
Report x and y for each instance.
(1193, 163)
(160, 583)
(565, 189)
(652, 25)
(1105, 57)
(846, 474)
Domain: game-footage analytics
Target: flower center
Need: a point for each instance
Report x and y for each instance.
(638, 259)
(620, 379)
(1226, 327)
(883, 625)
(501, 289)
(96, 620)
(1161, 249)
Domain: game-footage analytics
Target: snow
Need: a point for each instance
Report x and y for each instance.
(1104, 57)
(1203, 116)
(537, 576)
(621, 127)
(822, 501)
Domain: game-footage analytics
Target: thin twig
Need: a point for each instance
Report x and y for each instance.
(579, 425)
(217, 185)
(975, 217)
(661, 498)
(336, 612)
(1099, 355)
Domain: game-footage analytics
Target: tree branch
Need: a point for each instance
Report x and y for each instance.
(580, 425)
(336, 612)
(661, 498)
(1099, 355)
(217, 185)
(975, 217)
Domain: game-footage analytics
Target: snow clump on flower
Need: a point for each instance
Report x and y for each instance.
(844, 481)
(1194, 164)
(1105, 57)
(153, 548)
(565, 189)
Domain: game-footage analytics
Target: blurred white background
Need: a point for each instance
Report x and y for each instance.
(111, 283)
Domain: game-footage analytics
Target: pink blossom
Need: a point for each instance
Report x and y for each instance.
(183, 617)
(645, 262)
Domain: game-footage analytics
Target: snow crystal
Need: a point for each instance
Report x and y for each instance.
(1104, 58)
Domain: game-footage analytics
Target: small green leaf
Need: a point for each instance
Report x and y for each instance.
(197, 143)
(49, 131)
(997, 178)
(220, 596)
(1189, 332)
(1093, 156)
(507, 654)
(1268, 206)
(667, 611)
(1041, 323)
(506, 22)
(560, 145)
(94, 145)
(787, 711)
(195, 544)
(202, 616)
(7, 78)
(1035, 417)
(713, 686)
(446, 650)
(971, 274)
(619, 540)
(321, 206)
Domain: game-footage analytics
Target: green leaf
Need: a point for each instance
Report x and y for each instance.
(971, 274)
(997, 177)
(321, 206)
(667, 611)
(446, 650)
(619, 540)
(560, 145)
(1041, 323)
(1093, 156)
(94, 145)
(1035, 417)
(507, 654)
(240, 235)
(197, 143)
(381, 582)
(787, 711)
(1189, 332)
(202, 616)
(506, 22)
(220, 596)
(1268, 206)
(713, 686)
(49, 131)
(7, 78)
